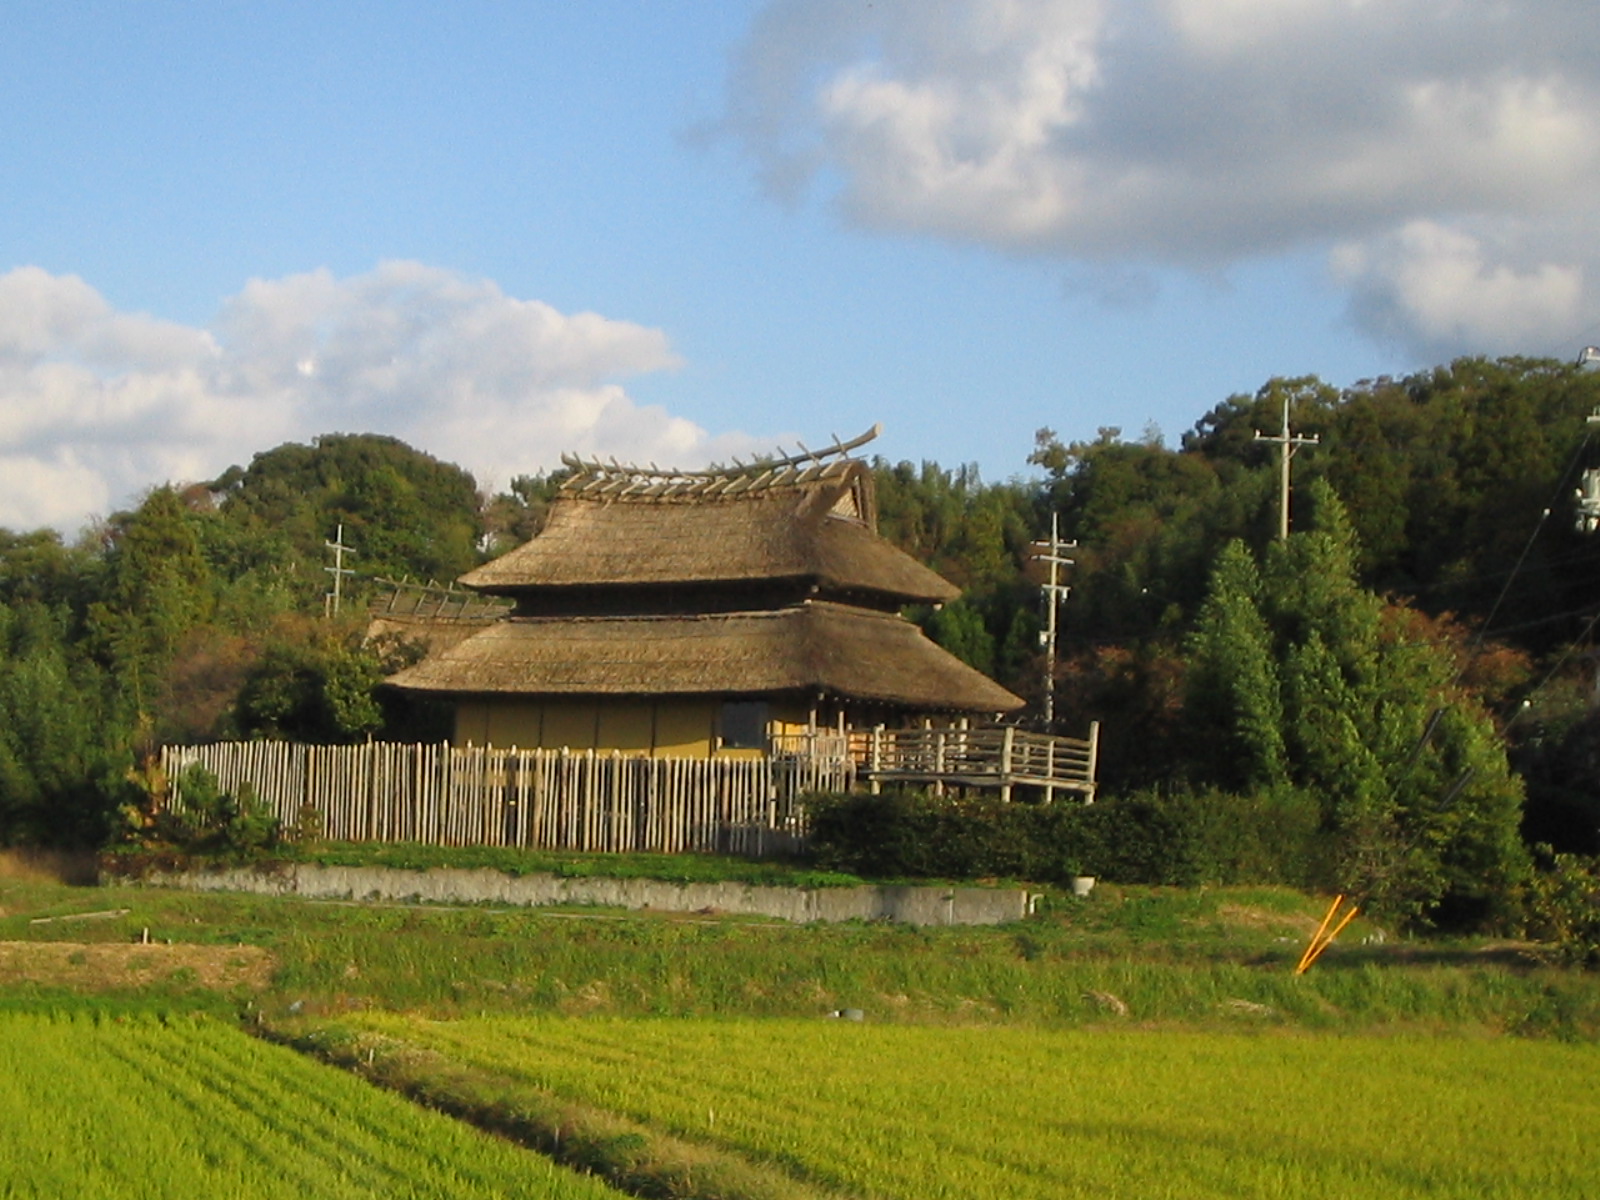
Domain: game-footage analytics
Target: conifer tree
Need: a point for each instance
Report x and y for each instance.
(1234, 693)
(1300, 675)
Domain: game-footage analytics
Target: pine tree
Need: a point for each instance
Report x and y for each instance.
(1234, 691)
(1299, 675)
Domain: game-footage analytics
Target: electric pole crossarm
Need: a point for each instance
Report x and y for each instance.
(1055, 592)
(1287, 443)
(330, 602)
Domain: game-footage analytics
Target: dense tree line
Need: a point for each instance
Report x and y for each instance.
(1428, 622)
(1457, 492)
(201, 614)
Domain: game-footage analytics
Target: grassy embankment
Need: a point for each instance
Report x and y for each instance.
(1145, 956)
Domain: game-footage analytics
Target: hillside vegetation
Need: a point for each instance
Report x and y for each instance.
(1405, 676)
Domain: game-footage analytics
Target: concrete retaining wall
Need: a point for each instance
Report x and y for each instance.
(910, 905)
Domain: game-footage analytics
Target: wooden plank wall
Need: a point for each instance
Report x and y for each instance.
(540, 799)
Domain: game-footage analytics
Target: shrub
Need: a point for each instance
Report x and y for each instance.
(1180, 838)
(1187, 838)
(1564, 905)
(212, 821)
(913, 835)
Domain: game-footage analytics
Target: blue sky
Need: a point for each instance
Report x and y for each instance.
(675, 231)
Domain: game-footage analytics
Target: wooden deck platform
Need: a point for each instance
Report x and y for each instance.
(1002, 757)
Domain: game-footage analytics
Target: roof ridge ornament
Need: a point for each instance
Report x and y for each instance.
(611, 479)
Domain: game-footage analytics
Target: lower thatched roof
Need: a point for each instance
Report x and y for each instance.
(833, 649)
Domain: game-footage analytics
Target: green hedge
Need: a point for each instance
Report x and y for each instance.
(1563, 905)
(1179, 839)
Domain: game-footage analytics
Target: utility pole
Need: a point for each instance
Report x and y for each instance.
(330, 601)
(1588, 495)
(1288, 443)
(1054, 592)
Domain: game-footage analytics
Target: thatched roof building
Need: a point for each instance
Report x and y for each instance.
(817, 648)
(801, 532)
(660, 599)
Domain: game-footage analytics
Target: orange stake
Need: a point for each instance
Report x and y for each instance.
(1305, 959)
(1322, 939)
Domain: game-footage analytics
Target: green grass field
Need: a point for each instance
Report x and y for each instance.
(128, 1107)
(1144, 1042)
(1029, 1114)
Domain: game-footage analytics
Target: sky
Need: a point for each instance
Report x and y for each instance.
(675, 231)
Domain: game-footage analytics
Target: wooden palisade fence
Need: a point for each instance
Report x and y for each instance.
(589, 800)
(540, 799)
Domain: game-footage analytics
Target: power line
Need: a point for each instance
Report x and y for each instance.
(1527, 701)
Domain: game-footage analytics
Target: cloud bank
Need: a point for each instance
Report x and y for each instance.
(97, 405)
(1445, 152)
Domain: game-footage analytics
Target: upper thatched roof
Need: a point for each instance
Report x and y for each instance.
(831, 649)
(779, 522)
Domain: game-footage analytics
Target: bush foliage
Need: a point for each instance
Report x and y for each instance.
(1564, 905)
(217, 822)
(1182, 838)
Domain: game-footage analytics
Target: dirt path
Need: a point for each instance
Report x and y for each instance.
(101, 965)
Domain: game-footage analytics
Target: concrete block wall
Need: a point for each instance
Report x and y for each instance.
(908, 905)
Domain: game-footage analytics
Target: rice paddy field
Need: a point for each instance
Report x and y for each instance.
(1028, 1114)
(117, 1108)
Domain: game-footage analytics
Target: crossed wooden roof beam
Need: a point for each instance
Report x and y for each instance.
(609, 478)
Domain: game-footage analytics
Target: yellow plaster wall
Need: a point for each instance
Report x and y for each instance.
(684, 729)
(628, 726)
(676, 728)
(681, 729)
(788, 717)
(472, 723)
(503, 723)
(514, 724)
(573, 724)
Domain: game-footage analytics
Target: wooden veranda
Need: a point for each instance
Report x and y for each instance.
(1001, 757)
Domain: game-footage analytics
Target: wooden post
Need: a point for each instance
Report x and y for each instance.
(1005, 763)
(1050, 771)
(875, 757)
(1094, 757)
(589, 800)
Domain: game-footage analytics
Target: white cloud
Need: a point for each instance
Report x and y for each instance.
(34, 486)
(1438, 287)
(96, 404)
(1200, 133)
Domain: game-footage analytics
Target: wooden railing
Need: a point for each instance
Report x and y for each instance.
(820, 746)
(993, 757)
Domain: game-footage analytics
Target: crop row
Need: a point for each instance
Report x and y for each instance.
(980, 1113)
(143, 1107)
